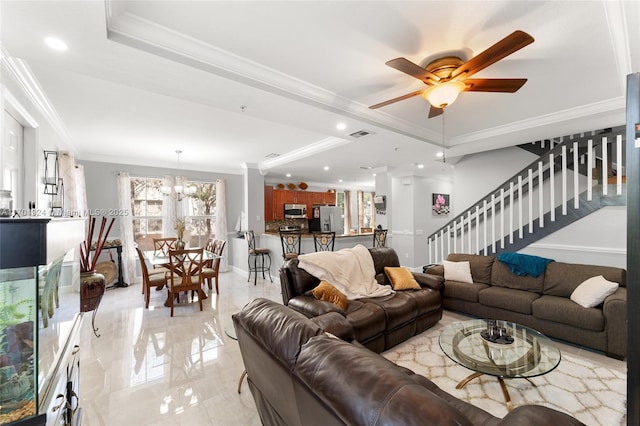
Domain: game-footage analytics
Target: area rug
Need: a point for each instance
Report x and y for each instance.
(593, 394)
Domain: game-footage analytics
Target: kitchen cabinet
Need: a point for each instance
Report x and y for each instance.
(275, 199)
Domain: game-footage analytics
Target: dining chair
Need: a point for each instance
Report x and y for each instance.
(212, 267)
(290, 241)
(255, 253)
(324, 241)
(161, 246)
(157, 280)
(380, 237)
(186, 274)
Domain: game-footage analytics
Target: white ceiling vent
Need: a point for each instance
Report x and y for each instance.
(359, 134)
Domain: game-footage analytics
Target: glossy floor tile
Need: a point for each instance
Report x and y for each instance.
(147, 368)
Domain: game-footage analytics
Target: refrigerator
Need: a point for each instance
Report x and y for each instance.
(331, 219)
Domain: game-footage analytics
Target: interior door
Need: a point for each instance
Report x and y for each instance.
(11, 158)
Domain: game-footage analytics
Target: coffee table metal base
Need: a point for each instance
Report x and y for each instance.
(503, 386)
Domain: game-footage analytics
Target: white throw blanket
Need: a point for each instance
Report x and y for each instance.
(349, 270)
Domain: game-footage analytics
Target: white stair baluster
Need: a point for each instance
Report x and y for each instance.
(619, 165)
(530, 198)
(589, 170)
(511, 208)
(576, 177)
(605, 166)
(541, 193)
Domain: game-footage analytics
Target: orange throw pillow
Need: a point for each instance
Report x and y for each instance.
(328, 293)
(401, 278)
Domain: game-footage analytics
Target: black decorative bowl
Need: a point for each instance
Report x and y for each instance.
(501, 340)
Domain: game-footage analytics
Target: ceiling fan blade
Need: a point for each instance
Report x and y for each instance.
(507, 85)
(399, 98)
(414, 70)
(505, 47)
(434, 112)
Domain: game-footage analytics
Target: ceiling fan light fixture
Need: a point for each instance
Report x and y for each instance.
(443, 94)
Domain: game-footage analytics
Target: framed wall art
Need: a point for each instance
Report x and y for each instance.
(440, 204)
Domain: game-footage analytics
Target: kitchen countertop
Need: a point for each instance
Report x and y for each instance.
(310, 235)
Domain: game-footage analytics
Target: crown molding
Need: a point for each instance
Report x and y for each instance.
(611, 106)
(140, 33)
(306, 151)
(615, 14)
(29, 84)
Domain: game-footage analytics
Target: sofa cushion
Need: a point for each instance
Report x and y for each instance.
(562, 310)
(481, 266)
(302, 280)
(383, 256)
(325, 291)
(427, 300)
(503, 277)
(464, 291)
(561, 279)
(375, 391)
(593, 291)
(401, 278)
(398, 308)
(457, 271)
(367, 319)
(508, 299)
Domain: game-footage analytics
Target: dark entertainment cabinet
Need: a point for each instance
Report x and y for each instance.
(40, 331)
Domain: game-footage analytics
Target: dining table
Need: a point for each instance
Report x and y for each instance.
(158, 259)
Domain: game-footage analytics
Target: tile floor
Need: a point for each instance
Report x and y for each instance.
(149, 369)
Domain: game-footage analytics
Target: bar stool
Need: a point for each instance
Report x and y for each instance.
(255, 253)
(324, 241)
(380, 237)
(290, 241)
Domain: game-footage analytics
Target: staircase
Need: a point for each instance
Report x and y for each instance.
(573, 177)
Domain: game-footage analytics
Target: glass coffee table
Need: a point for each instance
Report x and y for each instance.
(507, 351)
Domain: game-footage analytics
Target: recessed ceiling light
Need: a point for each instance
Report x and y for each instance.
(326, 167)
(439, 154)
(288, 174)
(374, 175)
(56, 43)
(341, 126)
(339, 180)
(421, 166)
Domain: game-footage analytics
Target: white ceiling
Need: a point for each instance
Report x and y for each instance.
(231, 82)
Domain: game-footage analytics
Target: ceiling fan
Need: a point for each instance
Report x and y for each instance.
(448, 76)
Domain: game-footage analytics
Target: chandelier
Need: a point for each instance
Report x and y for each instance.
(179, 190)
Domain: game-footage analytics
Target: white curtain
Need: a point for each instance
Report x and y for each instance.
(126, 227)
(221, 220)
(81, 190)
(66, 164)
(168, 209)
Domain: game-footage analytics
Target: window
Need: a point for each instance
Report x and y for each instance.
(202, 213)
(146, 200)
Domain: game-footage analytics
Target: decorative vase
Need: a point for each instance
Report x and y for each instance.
(180, 245)
(91, 290)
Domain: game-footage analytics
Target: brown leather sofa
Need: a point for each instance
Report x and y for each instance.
(378, 323)
(542, 303)
(299, 375)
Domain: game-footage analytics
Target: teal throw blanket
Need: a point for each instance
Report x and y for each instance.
(524, 264)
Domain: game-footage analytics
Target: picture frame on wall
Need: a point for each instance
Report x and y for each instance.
(440, 204)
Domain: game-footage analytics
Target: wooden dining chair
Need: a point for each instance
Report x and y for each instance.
(161, 246)
(324, 241)
(157, 280)
(212, 267)
(186, 274)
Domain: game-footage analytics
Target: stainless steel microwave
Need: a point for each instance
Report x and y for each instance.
(295, 211)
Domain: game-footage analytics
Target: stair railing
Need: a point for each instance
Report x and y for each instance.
(556, 179)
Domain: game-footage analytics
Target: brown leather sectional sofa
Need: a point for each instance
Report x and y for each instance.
(542, 303)
(378, 323)
(299, 375)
